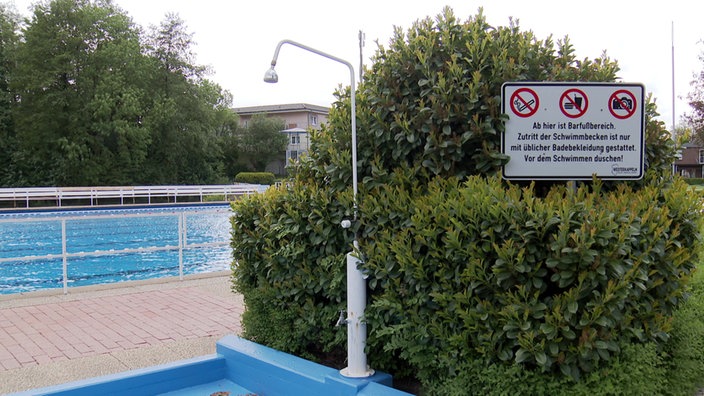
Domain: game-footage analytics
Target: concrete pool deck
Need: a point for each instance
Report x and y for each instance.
(48, 338)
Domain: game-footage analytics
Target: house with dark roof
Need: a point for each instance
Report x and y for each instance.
(690, 163)
(299, 119)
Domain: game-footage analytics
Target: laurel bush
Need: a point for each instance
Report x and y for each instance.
(467, 270)
(289, 248)
(480, 270)
(677, 368)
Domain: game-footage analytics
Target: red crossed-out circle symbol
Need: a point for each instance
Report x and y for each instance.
(574, 103)
(622, 104)
(524, 102)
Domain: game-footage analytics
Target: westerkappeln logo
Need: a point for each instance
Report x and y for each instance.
(623, 170)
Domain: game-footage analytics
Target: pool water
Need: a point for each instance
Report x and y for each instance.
(107, 246)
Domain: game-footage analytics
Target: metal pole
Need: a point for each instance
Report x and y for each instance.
(181, 221)
(356, 326)
(356, 283)
(673, 79)
(361, 58)
(64, 255)
(185, 230)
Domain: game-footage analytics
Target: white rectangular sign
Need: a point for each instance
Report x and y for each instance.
(571, 131)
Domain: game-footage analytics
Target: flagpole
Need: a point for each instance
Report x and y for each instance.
(673, 78)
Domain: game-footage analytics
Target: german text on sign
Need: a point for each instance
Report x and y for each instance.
(572, 131)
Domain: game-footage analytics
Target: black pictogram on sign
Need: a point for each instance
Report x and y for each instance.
(524, 102)
(622, 104)
(574, 103)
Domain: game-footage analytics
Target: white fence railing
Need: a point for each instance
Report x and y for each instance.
(65, 255)
(93, 194)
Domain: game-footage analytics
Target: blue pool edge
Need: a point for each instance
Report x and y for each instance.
(259, 369)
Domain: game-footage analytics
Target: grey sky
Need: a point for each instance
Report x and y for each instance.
(237, 38)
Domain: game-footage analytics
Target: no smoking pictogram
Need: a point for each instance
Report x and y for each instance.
(574, 103)
(524, 102)
(622, 104)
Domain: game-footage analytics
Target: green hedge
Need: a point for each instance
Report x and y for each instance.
(481, 271)
(638, 371)
(472, 271)
(267, 178)
(694, 181)
(475, 274)
(682, 354)
(289, 249)
(677, 368)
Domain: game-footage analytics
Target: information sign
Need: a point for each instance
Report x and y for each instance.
(572, 131)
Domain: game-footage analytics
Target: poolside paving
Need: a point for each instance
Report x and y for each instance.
(52, 338)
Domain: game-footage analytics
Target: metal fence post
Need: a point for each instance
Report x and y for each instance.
(64, 255)
(181, 242)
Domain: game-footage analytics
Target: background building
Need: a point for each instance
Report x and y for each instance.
(691, 162)
(299, 119)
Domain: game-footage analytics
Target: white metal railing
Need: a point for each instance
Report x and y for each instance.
(61, 194)
(65, 255)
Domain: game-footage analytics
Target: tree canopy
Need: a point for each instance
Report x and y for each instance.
(695, 119)
(90, 98)
(261, 142)
(9, 38)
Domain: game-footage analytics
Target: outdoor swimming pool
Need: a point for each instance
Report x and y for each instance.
(43, 250)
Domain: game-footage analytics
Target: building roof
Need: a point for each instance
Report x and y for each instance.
(294, 130)
(282, 108)
(691, 145)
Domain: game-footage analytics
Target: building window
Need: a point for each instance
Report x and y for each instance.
(314, 120)
(294, 155)
(701, 156)
(295, 139)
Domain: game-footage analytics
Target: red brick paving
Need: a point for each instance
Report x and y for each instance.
(73, 329)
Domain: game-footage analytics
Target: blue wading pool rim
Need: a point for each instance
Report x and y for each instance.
(258, 369)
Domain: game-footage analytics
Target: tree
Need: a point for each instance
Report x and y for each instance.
(9, 39)
(186, 113)
(95, 103)
(696, 100)
(261, 142)
(226, 132)
(81, 98)
(171, 45)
